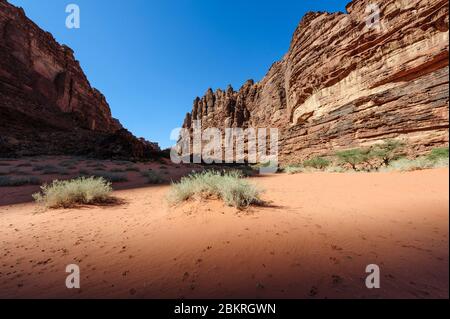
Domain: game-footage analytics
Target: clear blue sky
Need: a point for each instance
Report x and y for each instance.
(151, 58)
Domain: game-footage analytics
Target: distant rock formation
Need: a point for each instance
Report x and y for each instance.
(344, 85)
(47, 105)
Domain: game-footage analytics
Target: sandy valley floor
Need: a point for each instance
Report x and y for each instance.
(314, 241)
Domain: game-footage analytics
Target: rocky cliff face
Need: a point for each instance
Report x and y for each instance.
(47, 105)
(343, 84)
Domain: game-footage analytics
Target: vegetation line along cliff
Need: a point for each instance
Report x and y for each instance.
(343, 85)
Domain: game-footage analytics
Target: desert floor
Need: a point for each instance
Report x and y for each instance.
(314, 240)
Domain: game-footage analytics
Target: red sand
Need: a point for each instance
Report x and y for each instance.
(314, 241)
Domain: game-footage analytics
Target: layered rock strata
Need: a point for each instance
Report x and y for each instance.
(349, 82)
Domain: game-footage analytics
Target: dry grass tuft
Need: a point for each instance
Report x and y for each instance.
(228, 186)
(83, 190)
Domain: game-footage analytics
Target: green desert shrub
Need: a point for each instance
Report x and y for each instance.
(335, 169)
(19, 181)
(390, 150)
(435, 159)
(83, 190)
(372, 158)
(438, 154)
(317, 163)
(112, 177)
(228, 186)
(353, 157)
(443, 162)
(419, 163)
(293, 169)
(153, 177)
(268, 166)
(248, 171)
(405, 165)
(109, 176)
(260, 165)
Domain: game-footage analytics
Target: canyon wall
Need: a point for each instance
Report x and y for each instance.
(347, 82)
(47, 105)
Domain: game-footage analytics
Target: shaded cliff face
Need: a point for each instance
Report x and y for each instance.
(344, 85)
(47, 105)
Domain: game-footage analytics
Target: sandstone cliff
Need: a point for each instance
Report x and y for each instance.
(47, 105)
(344, 85)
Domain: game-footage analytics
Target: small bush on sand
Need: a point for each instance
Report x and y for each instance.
(153, 177)
(90, 190)
(292, 169)
(438, 154)
(335, 169)
(405, 165)
(258, 166)
(317, 163)
(229, 187)
(18, 181)
(420, 163)
(353, 157)
(372, 158)
(437, 158)
(248, 171)
(390, 150)
(443, 162)
(112, 177)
